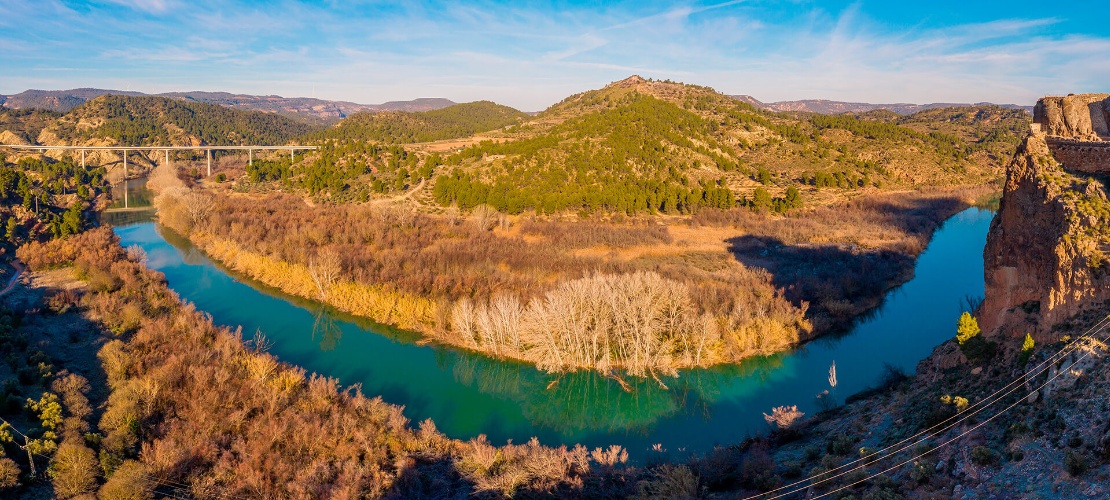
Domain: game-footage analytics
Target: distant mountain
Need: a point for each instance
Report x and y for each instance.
(400, 127)
(152, 120)
(826, 107)
(294, 107)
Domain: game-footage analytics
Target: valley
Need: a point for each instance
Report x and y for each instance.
(638, 286)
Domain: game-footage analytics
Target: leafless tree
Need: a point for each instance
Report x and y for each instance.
(325, 269)
(197, 206)
(483, 217)
(783, 416)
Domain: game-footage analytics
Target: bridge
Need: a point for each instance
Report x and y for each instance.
(124, 149)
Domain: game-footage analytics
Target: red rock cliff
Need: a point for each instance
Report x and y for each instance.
(1045, 258)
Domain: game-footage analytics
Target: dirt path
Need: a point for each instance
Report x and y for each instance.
(18, 266)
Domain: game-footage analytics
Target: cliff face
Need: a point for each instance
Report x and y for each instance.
(1045, 258)
(1078, 116)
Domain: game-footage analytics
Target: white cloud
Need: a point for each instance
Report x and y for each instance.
(149, 6)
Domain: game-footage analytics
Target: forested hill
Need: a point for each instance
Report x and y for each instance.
(134, 121)
(648, 146)
(459, 120)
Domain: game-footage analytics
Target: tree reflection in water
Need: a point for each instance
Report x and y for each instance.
(326, 328)
(586, 401)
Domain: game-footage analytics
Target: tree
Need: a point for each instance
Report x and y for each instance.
(197, 207)
(325, 269)
(761, 199)
(793, 198)
(967, 327)
(73, 469)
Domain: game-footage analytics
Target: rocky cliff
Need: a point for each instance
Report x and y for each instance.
(1045, 258)
(1077, 116)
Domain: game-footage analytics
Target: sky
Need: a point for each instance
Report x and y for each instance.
(530, 55)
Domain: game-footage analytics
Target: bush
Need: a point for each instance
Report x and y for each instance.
(967, 327)
(1027, 348)
(979, 350)
(1075, 463)
(981, 455)
(670, 481)
(221, 177)
(839, 444)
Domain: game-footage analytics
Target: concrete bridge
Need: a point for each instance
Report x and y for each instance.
(124, 149)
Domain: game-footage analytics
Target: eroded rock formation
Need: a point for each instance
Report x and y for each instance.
(1046, 253)
(1077, 116)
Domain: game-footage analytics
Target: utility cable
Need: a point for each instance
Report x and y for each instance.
(943, 426)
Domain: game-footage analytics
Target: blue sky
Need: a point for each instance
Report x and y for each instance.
(531, 54)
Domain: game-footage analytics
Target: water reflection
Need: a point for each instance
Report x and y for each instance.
(467, 394)
(327, 329)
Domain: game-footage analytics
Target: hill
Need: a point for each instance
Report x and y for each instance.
(827, 107)
(145, 120)
(298, 107)
(401, 127)
(647, 146)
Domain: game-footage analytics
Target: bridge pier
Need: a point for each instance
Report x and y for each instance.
(250, 157)
(83, 159)
(291, 158)
(125, 168)
(167, 157)
(209, 162)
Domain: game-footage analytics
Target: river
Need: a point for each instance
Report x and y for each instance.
(466, 394)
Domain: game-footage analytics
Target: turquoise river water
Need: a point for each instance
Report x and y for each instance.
(466, 394)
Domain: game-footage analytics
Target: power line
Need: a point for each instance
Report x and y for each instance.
(944, 425)
(992, 417)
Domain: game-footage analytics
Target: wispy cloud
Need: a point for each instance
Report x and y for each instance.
(149, 6)
(530, 56)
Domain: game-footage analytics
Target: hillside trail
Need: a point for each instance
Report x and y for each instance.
(407, 195)
(19, 269)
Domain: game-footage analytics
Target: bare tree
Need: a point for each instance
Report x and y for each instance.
(783, 416)
(325, 268)
(198, 207)
(463, 321)
(483, 217)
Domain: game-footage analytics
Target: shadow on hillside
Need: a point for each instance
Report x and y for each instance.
(839, 282)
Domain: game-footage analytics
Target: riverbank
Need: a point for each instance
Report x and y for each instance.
(172, 373)
(713, 292)
(468, 393)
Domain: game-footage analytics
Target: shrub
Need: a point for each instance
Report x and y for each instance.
(670, 481)
(1075, 463)
(783, 417)
(981, 455)
(839, 444)
(967, 327)
(1027, 348)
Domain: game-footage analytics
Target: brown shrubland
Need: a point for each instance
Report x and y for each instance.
(506, 293)
(192, 406)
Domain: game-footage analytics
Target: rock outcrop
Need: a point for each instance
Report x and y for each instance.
(1045, 258)
(1077, 116)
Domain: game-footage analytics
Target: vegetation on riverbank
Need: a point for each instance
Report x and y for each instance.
(468, 285)
(288, 434)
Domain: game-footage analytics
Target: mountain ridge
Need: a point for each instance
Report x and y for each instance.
(294, 107)
(830, 107)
